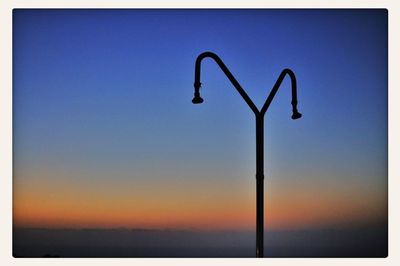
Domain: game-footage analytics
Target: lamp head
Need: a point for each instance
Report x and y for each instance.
(296, 115)
(197, 99)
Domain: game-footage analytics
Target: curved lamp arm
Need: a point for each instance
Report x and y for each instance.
(197, 84)
(286, 71)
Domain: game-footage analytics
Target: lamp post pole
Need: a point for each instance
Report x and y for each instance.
(259, 185)
(259, 116)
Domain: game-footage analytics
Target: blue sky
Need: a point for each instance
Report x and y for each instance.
(102, 98)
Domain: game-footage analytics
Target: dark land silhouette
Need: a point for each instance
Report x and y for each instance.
(368, 241)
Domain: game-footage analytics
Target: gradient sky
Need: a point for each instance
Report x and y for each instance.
(105, 134)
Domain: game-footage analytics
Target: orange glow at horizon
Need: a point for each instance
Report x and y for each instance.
(77, 206)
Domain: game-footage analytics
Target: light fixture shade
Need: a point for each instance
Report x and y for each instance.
(197, 100)
(296, 115)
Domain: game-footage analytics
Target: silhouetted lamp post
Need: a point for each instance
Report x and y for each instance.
(259, 114)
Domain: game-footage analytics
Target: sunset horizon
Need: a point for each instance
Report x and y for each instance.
(105, 134)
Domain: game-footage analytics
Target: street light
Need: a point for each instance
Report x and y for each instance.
(259, 132)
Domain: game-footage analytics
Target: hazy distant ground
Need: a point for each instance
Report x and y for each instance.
(366, 242)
